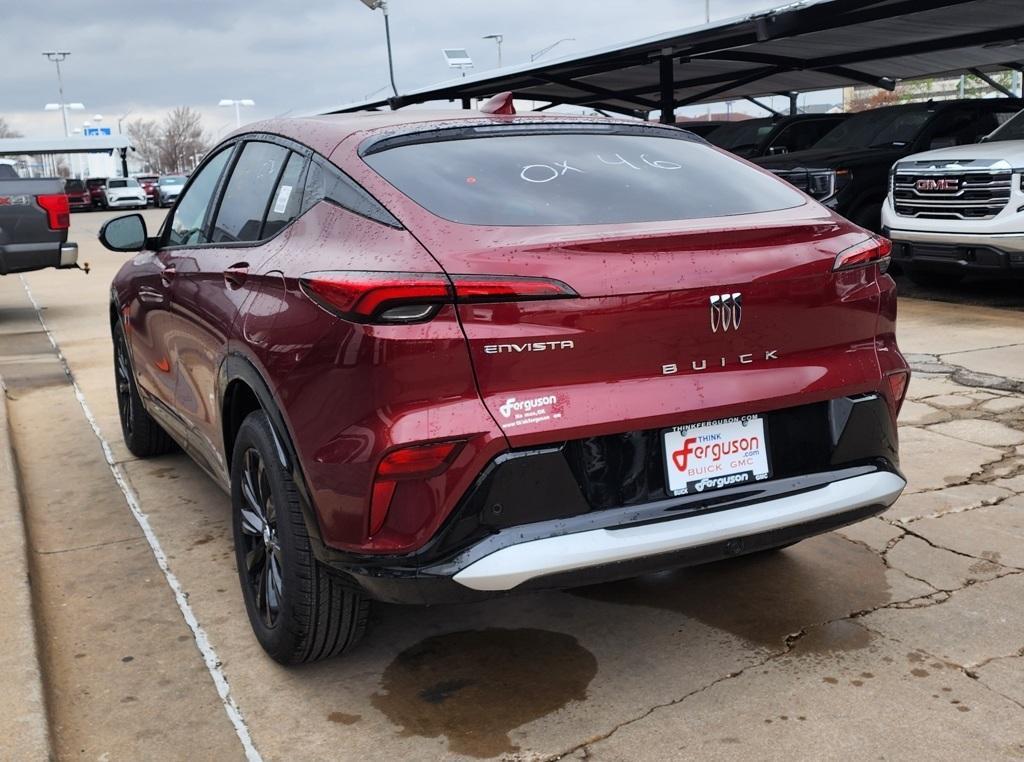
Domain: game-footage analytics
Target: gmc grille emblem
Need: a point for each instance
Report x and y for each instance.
(726, 312)
(937, 184)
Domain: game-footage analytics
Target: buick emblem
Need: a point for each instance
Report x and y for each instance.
(926, 184)
(726, 312)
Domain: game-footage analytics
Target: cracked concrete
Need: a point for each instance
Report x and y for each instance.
(899, 637)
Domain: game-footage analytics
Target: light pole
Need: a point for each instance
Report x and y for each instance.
(121, 119)
(383, 5)
(237, 103)
(64, 108)
(57, 56)
(498, 38)
(542, 51)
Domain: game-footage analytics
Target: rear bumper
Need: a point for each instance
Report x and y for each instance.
(596, 510)
(959, 252)
(514, 565)
(25, 257)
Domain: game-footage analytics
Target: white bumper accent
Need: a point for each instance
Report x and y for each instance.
(506, 568)
(1003, 241)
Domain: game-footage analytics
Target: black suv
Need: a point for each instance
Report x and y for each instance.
(848, 169)
(771, 136)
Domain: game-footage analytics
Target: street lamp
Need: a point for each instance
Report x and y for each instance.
(64, 108)
(383, 5)
(457, 58)
(57, 56)
(542, 51)
(121, 119)
(237, 103)
(498, 38)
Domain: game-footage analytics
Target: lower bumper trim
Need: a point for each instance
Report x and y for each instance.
(515, 565)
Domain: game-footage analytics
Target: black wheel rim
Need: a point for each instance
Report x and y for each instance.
(123, 373)
(262, 551)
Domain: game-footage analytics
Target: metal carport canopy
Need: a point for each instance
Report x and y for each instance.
(796, 48)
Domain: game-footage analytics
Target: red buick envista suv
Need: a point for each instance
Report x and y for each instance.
(436, 356)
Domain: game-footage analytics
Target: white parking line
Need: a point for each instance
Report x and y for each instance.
(213, 663)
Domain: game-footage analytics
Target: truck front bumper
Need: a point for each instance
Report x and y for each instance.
(994, 254)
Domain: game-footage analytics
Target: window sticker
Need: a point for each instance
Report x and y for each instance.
(281, 203)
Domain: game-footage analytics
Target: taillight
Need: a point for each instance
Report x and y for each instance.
(58, 213)
(413, 462)
(390, 297)
(873, 251)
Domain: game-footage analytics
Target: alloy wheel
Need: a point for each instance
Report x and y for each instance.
(124, 388)
(263, 562)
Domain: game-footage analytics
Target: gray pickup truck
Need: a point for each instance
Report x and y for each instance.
(34, 220)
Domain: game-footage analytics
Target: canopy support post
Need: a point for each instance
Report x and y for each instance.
(666, 69)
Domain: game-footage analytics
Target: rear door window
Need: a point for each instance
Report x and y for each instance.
(247, 193)
(501, 176)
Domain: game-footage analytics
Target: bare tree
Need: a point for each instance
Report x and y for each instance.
(6, 131)
(146, 138)
(182, 140)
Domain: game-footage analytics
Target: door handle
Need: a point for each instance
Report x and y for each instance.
(235, 275)
(167, 274)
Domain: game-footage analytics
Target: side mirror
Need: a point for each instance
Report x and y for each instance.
(127, 233)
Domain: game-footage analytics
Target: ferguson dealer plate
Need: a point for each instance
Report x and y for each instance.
(715, 454)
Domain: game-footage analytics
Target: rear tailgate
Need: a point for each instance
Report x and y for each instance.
(22, 220)
(643, 347)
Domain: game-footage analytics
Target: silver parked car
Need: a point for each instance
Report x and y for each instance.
(168, 188)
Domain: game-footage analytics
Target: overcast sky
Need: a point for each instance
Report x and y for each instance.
(146, 57)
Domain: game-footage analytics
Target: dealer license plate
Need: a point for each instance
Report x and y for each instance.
(707, 456)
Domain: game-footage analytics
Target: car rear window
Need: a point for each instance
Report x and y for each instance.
(574, 177)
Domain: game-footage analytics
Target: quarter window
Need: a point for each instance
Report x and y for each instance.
(242, 209)
(187, 226)
(326, 183)
(286, 202)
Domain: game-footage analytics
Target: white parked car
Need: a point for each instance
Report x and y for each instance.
(125, 192)
(958, 210)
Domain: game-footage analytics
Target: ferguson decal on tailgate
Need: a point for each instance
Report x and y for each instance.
(517, 412)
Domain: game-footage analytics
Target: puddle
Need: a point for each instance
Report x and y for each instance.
(474, 687)
(765, 597)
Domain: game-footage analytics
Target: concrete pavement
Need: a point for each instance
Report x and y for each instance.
(898, 637)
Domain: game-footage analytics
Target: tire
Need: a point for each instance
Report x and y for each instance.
(869, 217)
(316, 615)
(142, 434)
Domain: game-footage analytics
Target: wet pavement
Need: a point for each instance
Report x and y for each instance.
(900, 637)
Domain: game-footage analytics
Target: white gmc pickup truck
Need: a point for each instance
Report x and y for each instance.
(959, 210)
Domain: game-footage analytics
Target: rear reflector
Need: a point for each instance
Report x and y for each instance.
(394, 297)
(897, 389)
(415, 462)
(58, 212)
(874, 251)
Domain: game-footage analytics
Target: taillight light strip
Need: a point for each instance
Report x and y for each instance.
(400, 297)
(873, 251)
